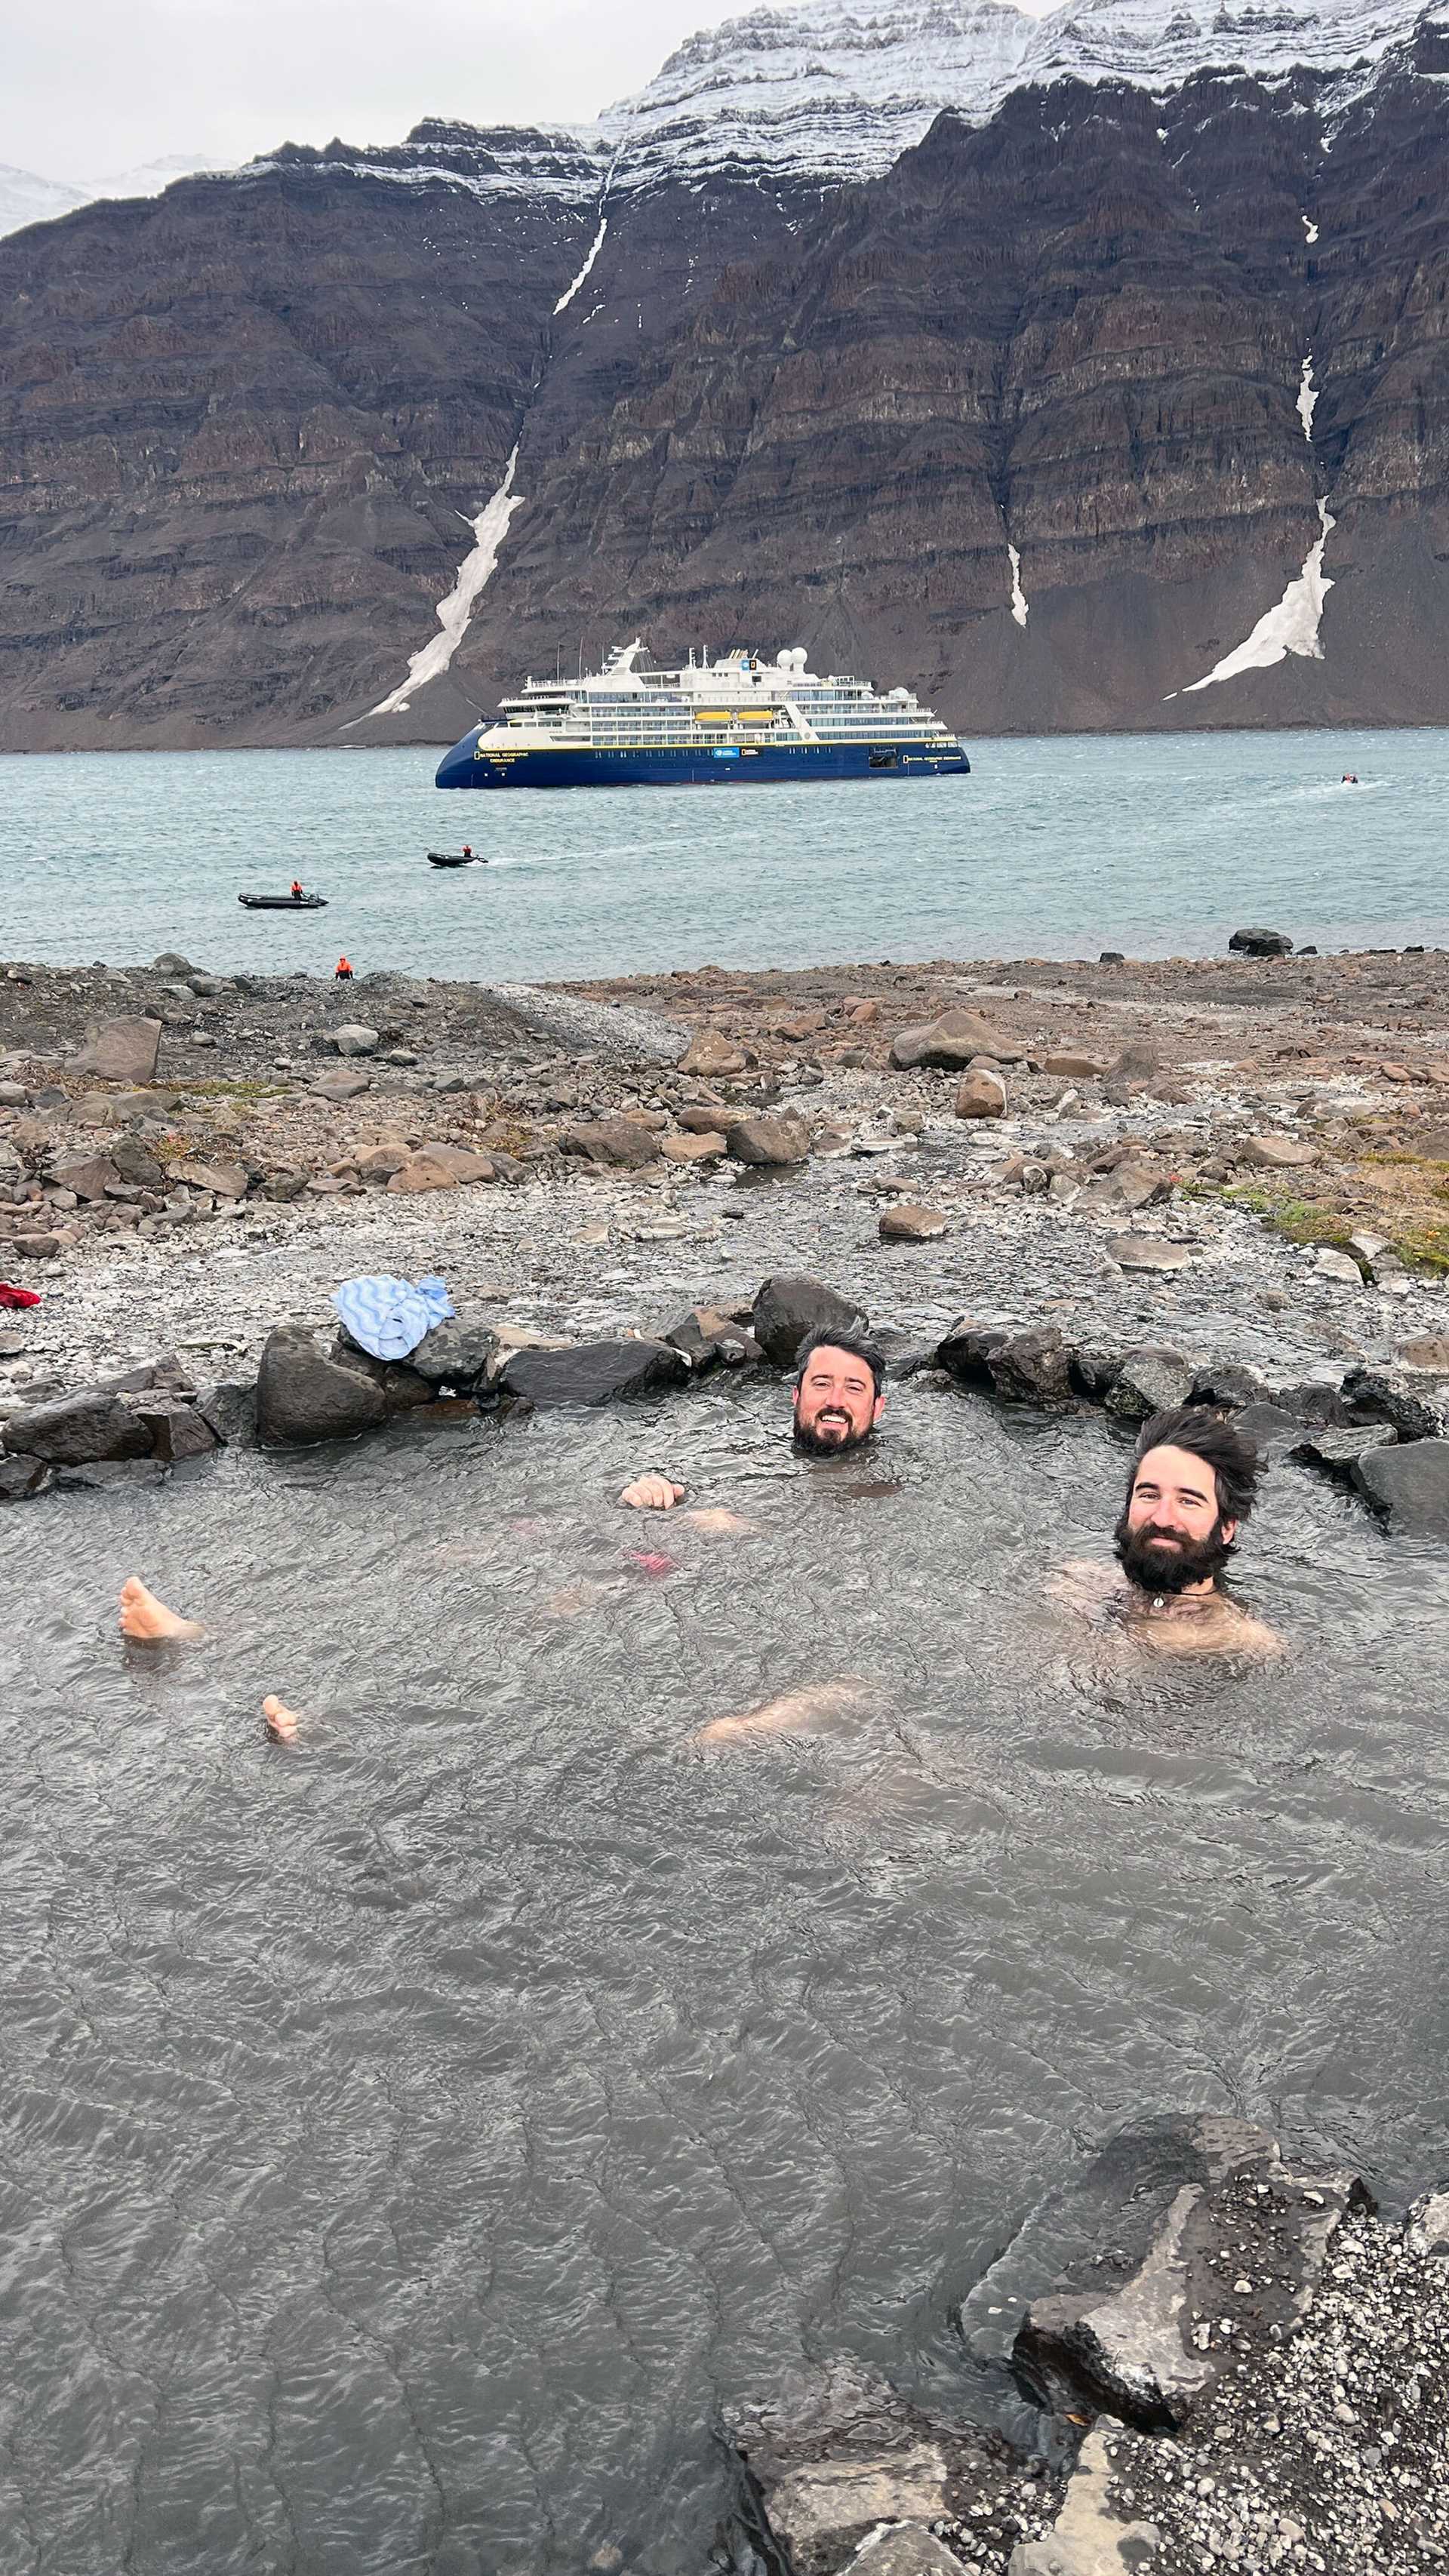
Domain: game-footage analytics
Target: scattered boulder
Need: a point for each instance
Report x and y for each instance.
(224, 1180)
(21, 1477)
(1071, 1067)
(710, 1339)
(768, 1141)
(981, 1095)
(122, 1050)
(951, 1041)
(1428, 1352)
(352, 1038)
(712, 1055)
(1032, 1368)
(1095, 1372)
(1130, 1185)
(621, 1142)
(338, 1087)
(1261, 943)
(1376, 1395)
(440, 1167)
(1148, 1252)
(1408, 1485)
(1277, 1153)
(304, 1397)
(1139, 1062)
(89, 1178)
(966, 1350)
(704, 1118)
(1341, 1267)
(706, 1146)
(907, 1224)
(1227, 1385)
(791, 1308)
(77, 1429)
(1266, 1427)
(1149, 1381)
(594, 1372)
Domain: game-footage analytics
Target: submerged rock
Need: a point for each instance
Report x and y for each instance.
(593, 1372)
(1408, 1484)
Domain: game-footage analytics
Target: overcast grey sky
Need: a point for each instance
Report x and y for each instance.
(92, 86)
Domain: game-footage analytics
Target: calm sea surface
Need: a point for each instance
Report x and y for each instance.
(1051, 849)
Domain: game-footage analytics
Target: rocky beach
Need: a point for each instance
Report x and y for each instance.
(1236, 1163)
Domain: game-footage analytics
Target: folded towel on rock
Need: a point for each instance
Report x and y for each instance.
(389, 1317)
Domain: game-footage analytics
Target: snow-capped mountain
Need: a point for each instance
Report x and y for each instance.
(840, 92)
(26, 198)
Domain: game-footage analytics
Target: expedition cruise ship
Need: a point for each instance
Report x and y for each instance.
(736, 720)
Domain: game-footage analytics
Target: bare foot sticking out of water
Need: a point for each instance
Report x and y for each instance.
(148, 1620)
(793, 1713)
(717, 1522)
(281, 1722)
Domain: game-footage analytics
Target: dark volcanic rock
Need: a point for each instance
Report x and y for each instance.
(1409, 1485)
(1032, 1368)
(77, 1430)
(1338, 1452)
(455, 1353)
(1377, 1396)
(21, 1477)
(177, 1430)
(1261, 943)
(711, 1340)
(791, 1308)
(966, 1350)
(1149, 1381)
(304, 1397)
(593, 1372)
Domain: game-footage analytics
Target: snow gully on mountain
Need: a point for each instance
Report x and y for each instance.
(1019, 609)
(1291, 627)
(474, 573)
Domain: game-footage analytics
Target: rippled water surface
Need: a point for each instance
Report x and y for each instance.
(412, 2134)
(1053, 848)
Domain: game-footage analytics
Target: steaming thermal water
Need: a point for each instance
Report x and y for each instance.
(1053, 848)
(412, 2134)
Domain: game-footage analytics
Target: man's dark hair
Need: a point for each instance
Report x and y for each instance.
(855, 1343)
(1206, 1435)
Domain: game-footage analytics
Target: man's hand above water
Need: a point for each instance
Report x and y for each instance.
(652, 1494)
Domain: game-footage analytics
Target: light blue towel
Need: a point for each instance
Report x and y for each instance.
(389, 1317)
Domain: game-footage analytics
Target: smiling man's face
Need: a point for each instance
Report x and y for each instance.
(836, 1404)
(1172, 1537)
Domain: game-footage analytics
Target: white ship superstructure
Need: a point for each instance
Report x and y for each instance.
(735, 714)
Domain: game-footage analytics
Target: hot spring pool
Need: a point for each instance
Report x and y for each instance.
(412, 2133)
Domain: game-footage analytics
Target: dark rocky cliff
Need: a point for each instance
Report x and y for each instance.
(241, 426)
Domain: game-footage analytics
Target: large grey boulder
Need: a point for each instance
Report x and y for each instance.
(122, 1050)
(951, 1040)
(1408, 1485)
(620, 1141)
(77, 1430)
(768, 1141)
(791, 1308)
(593, 1372)
(304, 1397)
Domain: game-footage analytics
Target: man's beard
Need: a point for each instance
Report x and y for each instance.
(1159, 1560)
(840, 1434)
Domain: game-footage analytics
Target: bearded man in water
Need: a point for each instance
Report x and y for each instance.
(1193, 1484)
(838, 1398)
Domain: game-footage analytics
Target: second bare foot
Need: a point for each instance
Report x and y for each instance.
(148, 1620)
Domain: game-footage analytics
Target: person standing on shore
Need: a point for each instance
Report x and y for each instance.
(342, 972)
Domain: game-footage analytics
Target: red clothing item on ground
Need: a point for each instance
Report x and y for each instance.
(17, 1296)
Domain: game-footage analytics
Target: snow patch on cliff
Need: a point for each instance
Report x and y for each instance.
(1019, 608)
(25, 198)
(1307, 395)
(1310, 232)
(1291, 627)
(567, 297)
(474, 573)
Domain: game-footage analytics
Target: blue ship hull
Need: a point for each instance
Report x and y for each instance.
(791, 764)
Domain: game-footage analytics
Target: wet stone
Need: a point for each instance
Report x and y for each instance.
(1149, 1381)
(790, 1308)
(1338, 1452)
(77, 1430)
(1032, 1368)
(1407, 1484)
(593, 1372)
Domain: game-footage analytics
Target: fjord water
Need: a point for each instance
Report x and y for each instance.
(414, 2135)
(1051, 848)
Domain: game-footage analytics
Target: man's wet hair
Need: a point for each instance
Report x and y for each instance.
(1209, 1436)
(857, 1346)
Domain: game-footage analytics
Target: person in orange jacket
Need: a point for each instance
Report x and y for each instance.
(343, 970)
